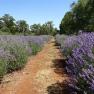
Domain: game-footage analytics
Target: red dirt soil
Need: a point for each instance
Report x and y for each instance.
(37, 75)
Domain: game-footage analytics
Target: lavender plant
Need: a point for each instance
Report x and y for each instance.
(14, 50)
(79, 51)
(3, 69)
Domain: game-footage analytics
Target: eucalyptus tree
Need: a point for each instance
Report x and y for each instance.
(22, 26)
(44, 29)
(36, 28)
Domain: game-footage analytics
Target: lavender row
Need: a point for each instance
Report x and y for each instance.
(14, 50)
(79, 51)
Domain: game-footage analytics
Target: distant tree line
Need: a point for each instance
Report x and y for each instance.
(8, 25)
(46, 28)
(80, 17)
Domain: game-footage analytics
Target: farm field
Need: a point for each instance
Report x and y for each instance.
(62, 65)
(46, 46)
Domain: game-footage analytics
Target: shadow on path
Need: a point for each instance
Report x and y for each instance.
(59, 66)
(58, 88)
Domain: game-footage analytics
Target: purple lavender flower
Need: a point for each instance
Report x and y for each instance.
(79, 51)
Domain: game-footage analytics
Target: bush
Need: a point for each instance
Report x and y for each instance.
(19, 58)
(79, 51)
(35, 49)
(3, 68)
(14, 51)
(5, 29)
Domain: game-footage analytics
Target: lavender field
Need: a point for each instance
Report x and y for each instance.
(15, 50)
(79, 53)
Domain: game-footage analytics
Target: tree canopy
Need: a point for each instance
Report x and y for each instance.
(80, 17)
(44, 29)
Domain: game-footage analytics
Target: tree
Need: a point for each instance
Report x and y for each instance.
(7, 22)
(68, 25)
(84, 11)
(35, 28)
(44, 29)
(49, 27)
(81, 17)
(22, 26)
(1, 23)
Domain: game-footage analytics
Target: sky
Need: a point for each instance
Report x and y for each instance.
(36, 11)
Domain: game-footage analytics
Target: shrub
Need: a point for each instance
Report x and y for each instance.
(79, 51)
(14, 50)
(3, 68)
(19, 57)
(35, 49)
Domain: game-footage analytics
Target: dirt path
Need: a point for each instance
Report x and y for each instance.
(38, 74)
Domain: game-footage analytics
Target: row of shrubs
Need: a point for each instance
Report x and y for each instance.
(14, 51)
(79, 53)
